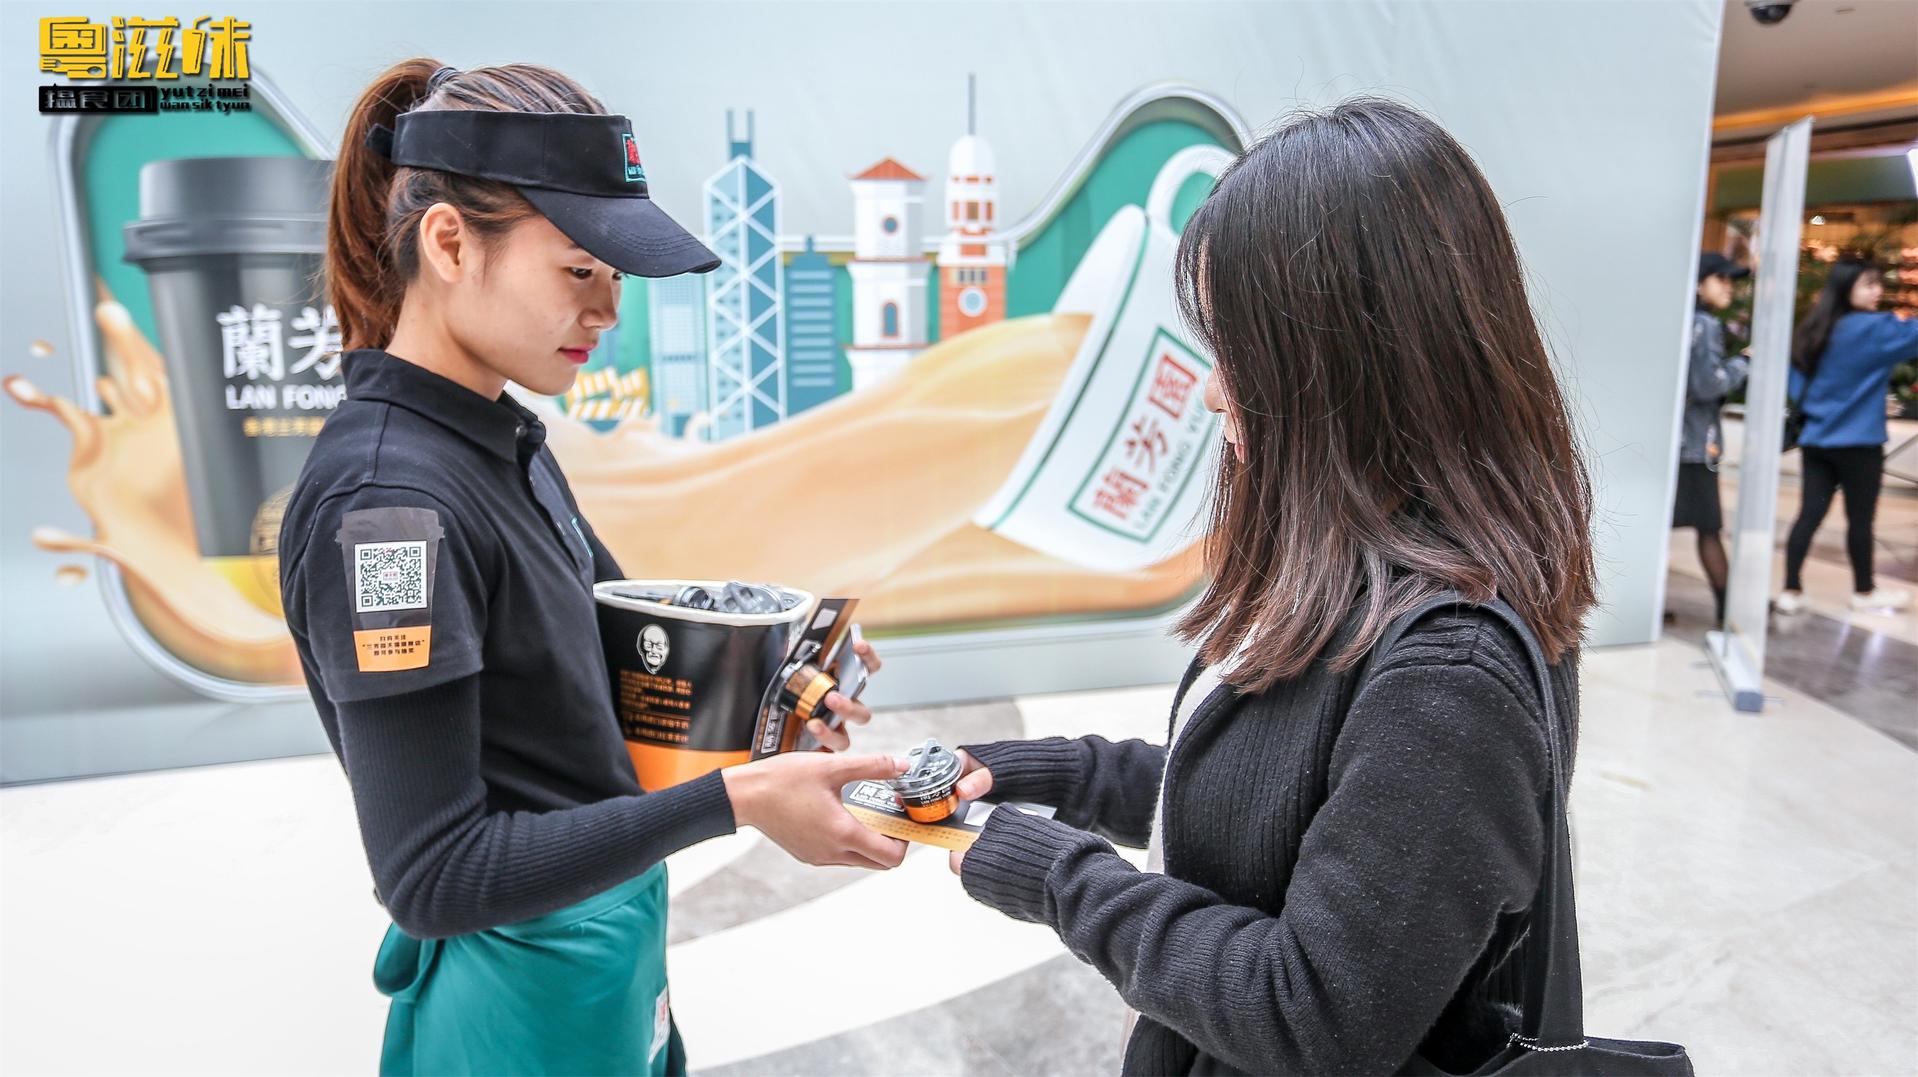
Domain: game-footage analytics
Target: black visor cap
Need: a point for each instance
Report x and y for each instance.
(582, 172)
(1713, 264)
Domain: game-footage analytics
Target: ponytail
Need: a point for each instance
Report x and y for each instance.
(375, 206)
(359, 278)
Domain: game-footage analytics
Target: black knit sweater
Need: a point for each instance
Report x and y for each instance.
(1345, 878)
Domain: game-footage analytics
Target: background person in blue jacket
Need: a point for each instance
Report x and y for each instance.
(1842, 358)
(1709, 378)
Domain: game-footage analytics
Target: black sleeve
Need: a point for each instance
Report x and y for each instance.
(444, 865)
(1431, 830)
(1098, 785)
(385, 569)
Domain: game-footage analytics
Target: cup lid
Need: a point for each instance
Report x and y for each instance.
(934, 769)
(229, 205)
(651, 596)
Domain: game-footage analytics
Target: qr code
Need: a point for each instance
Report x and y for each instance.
(389, 576)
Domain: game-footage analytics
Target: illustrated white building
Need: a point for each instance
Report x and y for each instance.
(973, 258)
(889, 271)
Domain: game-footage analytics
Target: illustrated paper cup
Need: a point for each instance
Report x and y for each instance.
(232, 249)
(687, 683)
(1118, 472)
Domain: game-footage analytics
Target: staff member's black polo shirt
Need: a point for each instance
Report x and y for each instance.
(505, 594)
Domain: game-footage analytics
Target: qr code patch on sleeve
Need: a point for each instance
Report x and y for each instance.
(389, 576)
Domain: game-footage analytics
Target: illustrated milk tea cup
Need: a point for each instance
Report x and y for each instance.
(1116, 477)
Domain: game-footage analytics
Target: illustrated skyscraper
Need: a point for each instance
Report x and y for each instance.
(812, 330)
(889, 271)
(973, 259)
(745, 323)
(677, 314)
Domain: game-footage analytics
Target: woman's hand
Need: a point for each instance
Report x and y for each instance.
(975, 781)
(794, 800)
(849, 711)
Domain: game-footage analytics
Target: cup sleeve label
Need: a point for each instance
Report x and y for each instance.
(875, 807)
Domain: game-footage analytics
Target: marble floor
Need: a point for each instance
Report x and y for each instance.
(1748, 886)
(1863, 663)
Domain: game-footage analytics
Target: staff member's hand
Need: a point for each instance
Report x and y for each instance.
(975, 781)
(794, 800)
(850, 711)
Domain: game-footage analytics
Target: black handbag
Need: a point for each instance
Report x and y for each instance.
(1551, 1037)
(1794, 426)
(1795, 416)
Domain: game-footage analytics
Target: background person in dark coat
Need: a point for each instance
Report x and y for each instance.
(1709, 377)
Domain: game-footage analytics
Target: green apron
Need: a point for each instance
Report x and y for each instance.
(578, 991)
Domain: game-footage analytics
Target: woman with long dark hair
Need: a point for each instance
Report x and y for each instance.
(1340, 875)
(1841, 358)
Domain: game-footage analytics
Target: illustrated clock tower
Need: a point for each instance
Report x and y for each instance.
(973, 258)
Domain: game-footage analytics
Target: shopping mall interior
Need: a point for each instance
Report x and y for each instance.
(1747, 881)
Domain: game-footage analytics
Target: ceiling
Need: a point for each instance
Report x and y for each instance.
(1824, 51)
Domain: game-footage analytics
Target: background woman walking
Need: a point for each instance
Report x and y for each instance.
(1842, 358)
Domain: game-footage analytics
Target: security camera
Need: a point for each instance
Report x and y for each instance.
(1769, 12)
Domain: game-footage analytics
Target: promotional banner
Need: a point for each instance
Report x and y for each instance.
(939, 367)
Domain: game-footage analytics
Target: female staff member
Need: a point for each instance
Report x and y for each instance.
(437, 577)
(1841, 359)
(1344, 872)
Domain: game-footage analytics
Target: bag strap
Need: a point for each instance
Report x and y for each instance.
(1553, 1018)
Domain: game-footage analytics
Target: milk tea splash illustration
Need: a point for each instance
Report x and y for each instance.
(871, 494)
(125, 474)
